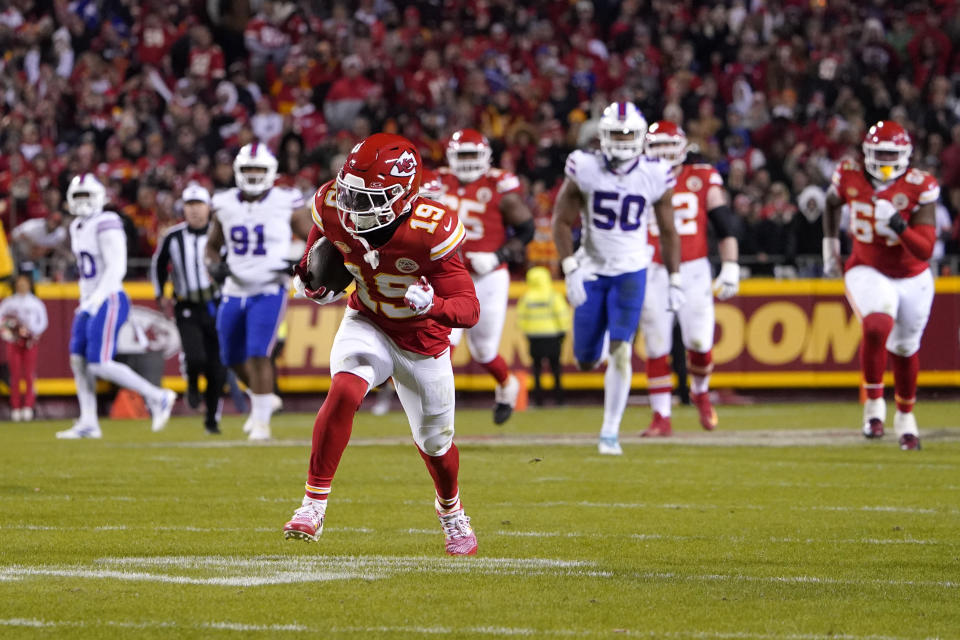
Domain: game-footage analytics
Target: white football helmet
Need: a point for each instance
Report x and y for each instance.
(468, 154)
(85, 195)
(622, 118)
(254, 156)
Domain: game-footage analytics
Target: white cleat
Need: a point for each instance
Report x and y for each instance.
(26, 414)
(79, 431)
(248, 424)
(161, 411)
(306, 523)
(609, 447)
(16, 415)
(276, 403)
(259, 431)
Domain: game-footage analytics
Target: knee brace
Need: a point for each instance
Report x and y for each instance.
(434, 440)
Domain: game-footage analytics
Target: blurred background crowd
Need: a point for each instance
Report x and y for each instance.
(151, 95)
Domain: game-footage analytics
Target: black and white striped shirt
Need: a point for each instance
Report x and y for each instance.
(179, 255)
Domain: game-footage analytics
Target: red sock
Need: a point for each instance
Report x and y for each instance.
(658, 375)
(444, 471)
(905, 369)
(498, 369)
(331, 431)
(873, 352)
(701, 363)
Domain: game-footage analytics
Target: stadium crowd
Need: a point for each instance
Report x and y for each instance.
(152, 95)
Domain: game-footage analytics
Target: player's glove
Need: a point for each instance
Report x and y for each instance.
(728, 282)
(831, 258)
(320, 295)
(482, 262)
(887, 217)
(419, 296)
(575, 276)
(676, 298)
(218, 271)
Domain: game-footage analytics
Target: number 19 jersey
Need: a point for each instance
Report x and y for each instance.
(257, 236)
(613, 237)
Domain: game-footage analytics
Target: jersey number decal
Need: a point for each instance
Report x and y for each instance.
(865, 227)
(466, 210)
(389, 285)
(606, 217)
(685, 209)
(240, 237)
(426, 217)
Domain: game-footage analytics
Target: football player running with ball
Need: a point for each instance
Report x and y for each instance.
(499, 226)
(255, 223)
(100, 244)
(612, 192)
(698, 199)
(887, 279)
(411, 289)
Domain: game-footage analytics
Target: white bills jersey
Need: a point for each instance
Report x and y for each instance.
(92, 257)
(257, 236)
(613, 236)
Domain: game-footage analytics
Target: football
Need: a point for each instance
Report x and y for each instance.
(325, 266)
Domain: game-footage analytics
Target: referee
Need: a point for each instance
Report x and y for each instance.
(180, 256)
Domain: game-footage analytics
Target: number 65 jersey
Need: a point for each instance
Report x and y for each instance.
(257, 236)
(874, 244)
(617, 202)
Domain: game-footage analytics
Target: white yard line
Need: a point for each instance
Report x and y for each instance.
(497, 631)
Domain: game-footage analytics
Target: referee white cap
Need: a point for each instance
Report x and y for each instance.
(195, 193)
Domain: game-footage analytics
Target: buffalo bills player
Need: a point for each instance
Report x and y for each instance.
(611, 192)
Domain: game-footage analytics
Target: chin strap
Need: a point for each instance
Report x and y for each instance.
(371, 255)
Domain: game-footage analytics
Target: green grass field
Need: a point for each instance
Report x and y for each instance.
(784, 524)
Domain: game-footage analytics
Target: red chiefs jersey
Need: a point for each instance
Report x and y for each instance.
(425, 245)
(477, 204)
(689, 212)
(874, 244)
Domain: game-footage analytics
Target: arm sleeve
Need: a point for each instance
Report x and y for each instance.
(455, 301)
(159, 265)
(919, 240)
(724, 222)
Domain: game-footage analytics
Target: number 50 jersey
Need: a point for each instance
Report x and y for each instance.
(614, 219)
(257, 236)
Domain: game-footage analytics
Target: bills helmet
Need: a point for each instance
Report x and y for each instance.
(377, 182)
(886, 150)
(468, 154)
(622, 128)
(666, 140)
(254, 168)
(85, 195)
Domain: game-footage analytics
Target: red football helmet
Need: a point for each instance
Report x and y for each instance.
(431, 186)
(468, 154)
(379, 178)
(886, 150)
(666, 140)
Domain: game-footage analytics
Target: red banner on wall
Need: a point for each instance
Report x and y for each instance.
(794, 333)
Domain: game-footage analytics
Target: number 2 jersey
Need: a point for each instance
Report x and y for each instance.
(426, 243)
(477, 204)
(875, 245)
(257, 236)
(617, 203)
(689, 212)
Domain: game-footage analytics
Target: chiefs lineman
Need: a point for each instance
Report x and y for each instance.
(888, 281)
(498, 226)
(411, 288)
(612, 192)
(698, 197)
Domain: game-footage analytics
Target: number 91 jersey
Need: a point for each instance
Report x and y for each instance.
(426, 243)
(874, 243)
(689, 212)
(614, 220)
(257, 236)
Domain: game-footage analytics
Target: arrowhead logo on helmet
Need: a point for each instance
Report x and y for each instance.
(405, 166)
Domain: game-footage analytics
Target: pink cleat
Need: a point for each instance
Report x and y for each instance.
(708, 415)
(659, 428)
(460, 538)
(307, 522)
